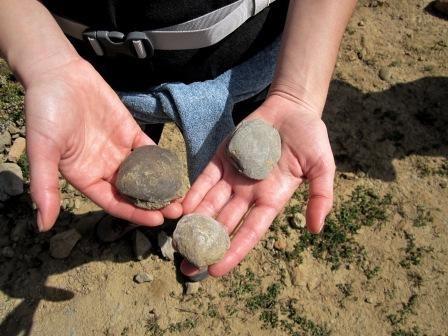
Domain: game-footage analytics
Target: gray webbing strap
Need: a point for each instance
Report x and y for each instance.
(200, 32)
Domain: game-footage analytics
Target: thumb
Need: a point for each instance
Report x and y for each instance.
(320, 199)
(44, 159)
(141, 139)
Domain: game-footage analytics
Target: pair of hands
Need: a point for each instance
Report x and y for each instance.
(77, 125)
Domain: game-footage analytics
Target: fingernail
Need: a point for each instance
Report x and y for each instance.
(321, 225)
(40, 225)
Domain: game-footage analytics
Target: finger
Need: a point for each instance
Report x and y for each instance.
(320, 200)
(192, 272)
(208, 178)
(172, 211)
(256, 224)
(215, 199)
(105, 195)
(188, 269)
(233, 212)
(44, 158)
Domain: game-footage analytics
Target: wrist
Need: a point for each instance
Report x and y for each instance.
(287, 97)
(30, 39)
(31, 69)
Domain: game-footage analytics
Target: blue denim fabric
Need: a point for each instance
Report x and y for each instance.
(203, 110)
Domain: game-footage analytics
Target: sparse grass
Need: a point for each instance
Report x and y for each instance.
(424, 170)
(413, 253)
(182, 326)
(297, 325)
(415, 278)
(442, 170)
(403, 313)
(241, 284)
(423, 218)
(25, 166)
(273, 311)
(11, 97)
(264, 300)
(335, 244)
(153, 328)
(346, 290)
(370, 272)
(400, 332)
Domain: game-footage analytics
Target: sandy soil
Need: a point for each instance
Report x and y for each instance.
(379, 268)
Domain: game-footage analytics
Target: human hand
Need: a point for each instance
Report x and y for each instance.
(77, 124)
(222, 192)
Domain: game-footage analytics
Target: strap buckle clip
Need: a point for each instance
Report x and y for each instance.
(112, 43)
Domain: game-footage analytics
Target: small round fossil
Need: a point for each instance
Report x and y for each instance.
(201, 239)
(150, 177)
(255, 148)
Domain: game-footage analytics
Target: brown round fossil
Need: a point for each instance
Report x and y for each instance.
(150, 177)
(200, 239)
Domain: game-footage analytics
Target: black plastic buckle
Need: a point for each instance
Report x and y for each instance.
(112, 43)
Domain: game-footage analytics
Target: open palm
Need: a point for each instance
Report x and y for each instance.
(76, 124)
(222, 192)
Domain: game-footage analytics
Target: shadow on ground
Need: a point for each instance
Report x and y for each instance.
(27, 268)
(369, 130)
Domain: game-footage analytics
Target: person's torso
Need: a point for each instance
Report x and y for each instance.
(124, 72)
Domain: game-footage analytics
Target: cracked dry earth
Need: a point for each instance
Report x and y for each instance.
(379, 267)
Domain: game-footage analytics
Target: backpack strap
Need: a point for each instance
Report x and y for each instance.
(200, 32)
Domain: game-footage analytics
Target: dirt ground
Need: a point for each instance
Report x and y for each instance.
(379, 267)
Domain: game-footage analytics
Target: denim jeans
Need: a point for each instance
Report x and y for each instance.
(203, 110)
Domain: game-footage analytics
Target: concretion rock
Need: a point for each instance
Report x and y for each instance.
(201, 239)
(150, 177)
(11, 181)
(255, 148)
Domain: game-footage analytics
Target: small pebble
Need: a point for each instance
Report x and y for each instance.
(143, 277)
(19, 230)
(142, 245)
(296, 276)
(11, 181)
(385, 74)
(280, 244)
(8, 252)
(62, 244)
(12, 129)
(5, 140)
(192, 287)
(17, 149)
(166, 245)
(297, 221)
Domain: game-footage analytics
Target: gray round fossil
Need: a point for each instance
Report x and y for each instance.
(150, 177)
(200, 239)
(255, 148)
